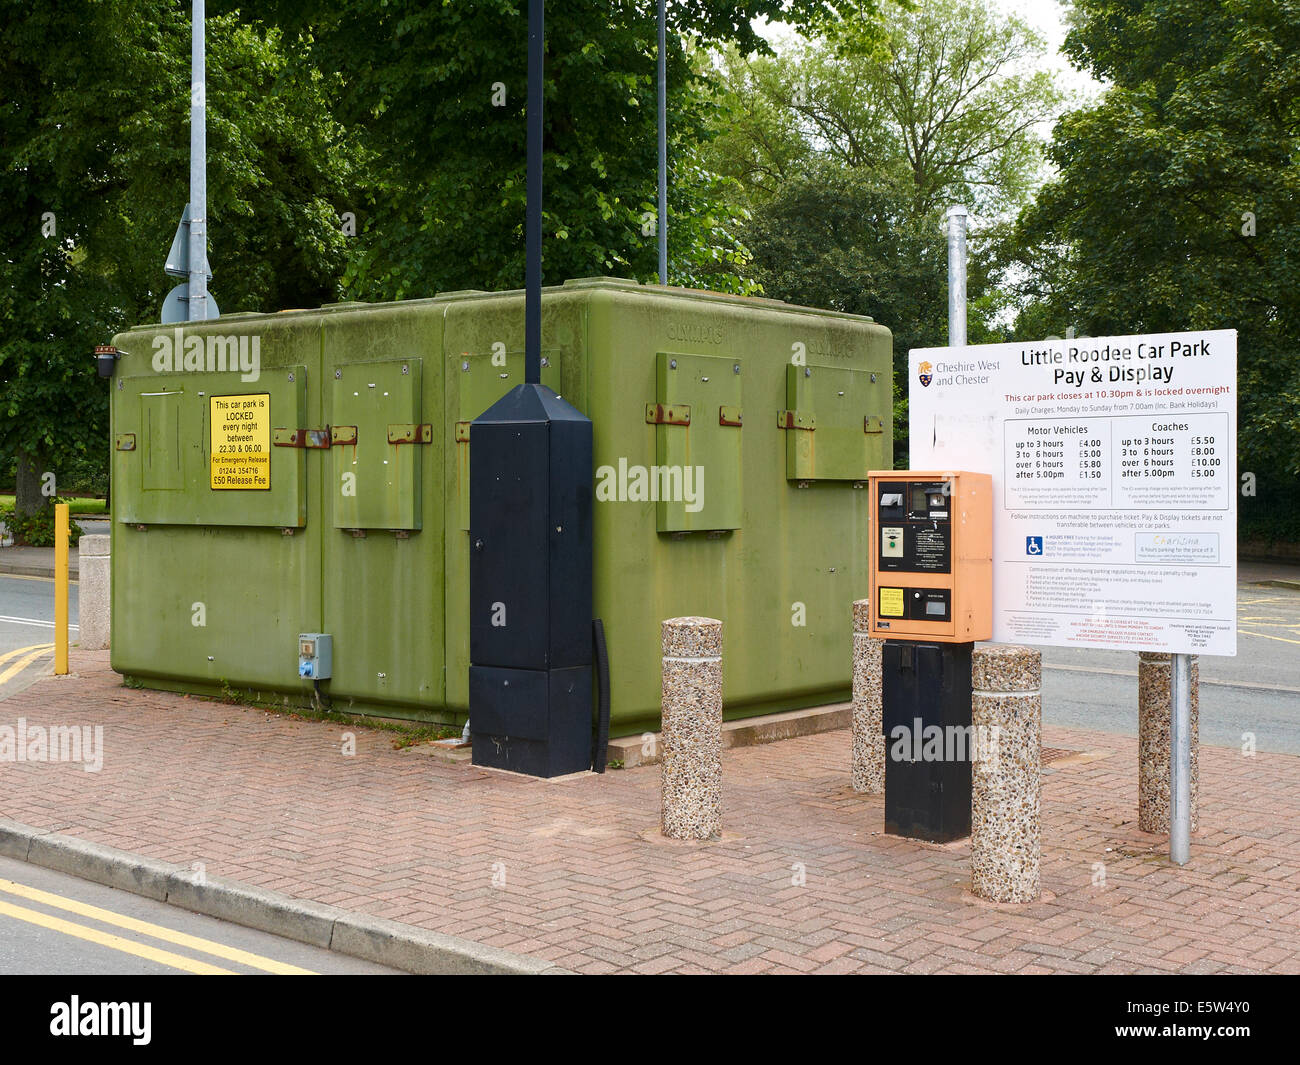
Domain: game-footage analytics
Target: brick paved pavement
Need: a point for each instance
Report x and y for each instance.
(589, 885)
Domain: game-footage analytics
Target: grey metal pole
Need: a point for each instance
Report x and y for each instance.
(533, 211)
(1180, 759)
(957, 276)
(662, 221)
(198, 290)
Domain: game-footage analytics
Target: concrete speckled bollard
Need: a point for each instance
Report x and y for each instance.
(1154, 695)
(692, 729)
(93, 605)
(1006, 782)
(868, 729)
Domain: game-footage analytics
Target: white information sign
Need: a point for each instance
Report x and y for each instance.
(1114, 465)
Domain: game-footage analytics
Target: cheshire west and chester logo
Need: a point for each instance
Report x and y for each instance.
(923, 372)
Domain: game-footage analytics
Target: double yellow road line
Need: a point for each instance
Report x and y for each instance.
(25, 657)
(131, 924)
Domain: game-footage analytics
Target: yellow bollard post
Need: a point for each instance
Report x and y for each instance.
(60, 589)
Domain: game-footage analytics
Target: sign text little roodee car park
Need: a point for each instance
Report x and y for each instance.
(1114, 481)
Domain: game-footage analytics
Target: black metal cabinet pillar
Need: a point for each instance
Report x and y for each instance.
(530, 584)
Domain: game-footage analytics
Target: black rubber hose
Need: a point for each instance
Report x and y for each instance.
(599, 755)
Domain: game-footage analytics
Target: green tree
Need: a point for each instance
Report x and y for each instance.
(1177, 204)
(438, 93)
(94, 152)
(848, 150)
(833, 239)
(943, 104)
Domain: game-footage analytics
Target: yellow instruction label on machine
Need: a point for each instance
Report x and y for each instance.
(891, 602)
(241, 441)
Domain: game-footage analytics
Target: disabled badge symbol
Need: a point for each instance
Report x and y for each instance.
(1033, 545)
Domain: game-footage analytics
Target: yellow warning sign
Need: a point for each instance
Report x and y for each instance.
(241, 441)
(891, 602)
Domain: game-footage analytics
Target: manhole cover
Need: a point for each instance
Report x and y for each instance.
(1055, 754)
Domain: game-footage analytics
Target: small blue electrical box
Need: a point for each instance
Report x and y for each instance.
(315, 655)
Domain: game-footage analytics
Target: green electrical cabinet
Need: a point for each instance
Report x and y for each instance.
(328, 491)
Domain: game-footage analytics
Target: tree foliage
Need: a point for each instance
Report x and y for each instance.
(941, 102)
(94, 149)
(849, 148)
(438, 93)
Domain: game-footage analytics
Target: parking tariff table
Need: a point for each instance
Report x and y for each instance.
(1118, 462)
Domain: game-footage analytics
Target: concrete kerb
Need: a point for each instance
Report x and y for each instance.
(23, 569)
(35, 562)
(357, 935)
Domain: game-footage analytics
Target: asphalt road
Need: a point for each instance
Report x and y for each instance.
(27, 629)
(27, 611)
(52, 924)
(1256, 692)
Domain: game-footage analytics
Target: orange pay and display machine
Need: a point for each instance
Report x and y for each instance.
(931, 556)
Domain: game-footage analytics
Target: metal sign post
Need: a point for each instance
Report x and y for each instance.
(198, 287)
(957, 276)
(1180, 758)
(662, 221)
(190, 301)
